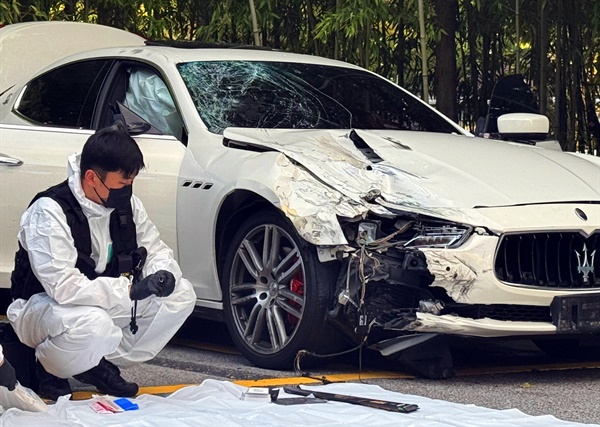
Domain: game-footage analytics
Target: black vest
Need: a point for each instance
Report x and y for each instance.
(24, 284)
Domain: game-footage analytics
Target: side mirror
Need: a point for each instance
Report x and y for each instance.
(523, 126)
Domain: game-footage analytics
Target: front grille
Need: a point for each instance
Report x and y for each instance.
(549, 260)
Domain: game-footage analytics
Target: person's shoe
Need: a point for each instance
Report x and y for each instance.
(51, 387)
(106, 377)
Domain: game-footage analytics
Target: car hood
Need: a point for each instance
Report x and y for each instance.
(428, 170)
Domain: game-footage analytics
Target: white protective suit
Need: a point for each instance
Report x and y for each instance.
(78, 321)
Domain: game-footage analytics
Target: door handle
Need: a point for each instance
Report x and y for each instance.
(9, 161)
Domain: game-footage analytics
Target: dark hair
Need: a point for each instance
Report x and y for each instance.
(111, 150)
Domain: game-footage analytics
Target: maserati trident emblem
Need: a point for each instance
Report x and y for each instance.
(587, 266)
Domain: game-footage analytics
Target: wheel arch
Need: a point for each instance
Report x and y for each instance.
(236, 207)
(317, 282)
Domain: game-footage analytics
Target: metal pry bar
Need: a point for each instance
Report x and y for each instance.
(371, 403)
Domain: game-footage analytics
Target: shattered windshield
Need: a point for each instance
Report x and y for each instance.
(283, 95)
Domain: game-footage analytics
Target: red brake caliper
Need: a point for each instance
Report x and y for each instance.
(296, 286)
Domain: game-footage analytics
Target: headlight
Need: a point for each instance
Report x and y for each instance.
(382, 233)
(438, 236)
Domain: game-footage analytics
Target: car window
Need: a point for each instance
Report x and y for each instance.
(65, 96)
(302, 96)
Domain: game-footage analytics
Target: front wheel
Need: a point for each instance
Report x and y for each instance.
(275, 292)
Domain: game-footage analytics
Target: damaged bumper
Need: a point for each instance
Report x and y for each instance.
(455, 325)
(415, 291)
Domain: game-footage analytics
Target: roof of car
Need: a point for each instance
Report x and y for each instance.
(185, 44)
(26, 48)
(162, 53)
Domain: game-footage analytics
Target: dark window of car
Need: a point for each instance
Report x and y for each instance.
(302, 96)
(66, 96)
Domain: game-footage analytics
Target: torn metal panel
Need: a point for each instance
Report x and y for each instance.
(454, 273)
(458, 271)
(333, 158)
(451, 324)
(385, 188)
(313, 207)
(394, 345)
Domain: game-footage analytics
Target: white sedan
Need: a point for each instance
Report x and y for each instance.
(311, 203)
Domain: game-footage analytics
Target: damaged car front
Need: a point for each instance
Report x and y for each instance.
(451, 240)
(420, 230)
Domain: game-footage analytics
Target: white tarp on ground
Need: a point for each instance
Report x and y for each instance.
(217, 403)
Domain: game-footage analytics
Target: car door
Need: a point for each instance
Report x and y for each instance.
(138, 94)
(51, 119)
(58, 112)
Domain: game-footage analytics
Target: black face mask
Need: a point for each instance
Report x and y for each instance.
(118, 198)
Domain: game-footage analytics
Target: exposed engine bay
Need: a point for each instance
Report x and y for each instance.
(386, 280)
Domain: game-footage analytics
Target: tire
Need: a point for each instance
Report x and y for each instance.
(275, 292)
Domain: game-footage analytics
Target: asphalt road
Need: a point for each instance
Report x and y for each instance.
(501, 375)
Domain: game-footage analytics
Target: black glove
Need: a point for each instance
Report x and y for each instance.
(161, 284)
(8, 378)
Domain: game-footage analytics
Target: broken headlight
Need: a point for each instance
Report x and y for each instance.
(382, 233)
(438, 236)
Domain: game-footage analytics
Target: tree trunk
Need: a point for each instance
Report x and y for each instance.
(578, 111)
(313, 48)
(486, 75)
(445, 53)
(336, 42)
(543, 84)
(276, 31)
(593, 123)
(472, 32)
(560, 125)
(399, 54)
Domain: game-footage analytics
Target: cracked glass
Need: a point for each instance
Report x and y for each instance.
(282, 95)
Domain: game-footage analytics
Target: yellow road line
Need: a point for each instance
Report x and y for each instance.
(275, 382)
(278, 382)
(267, 382)
(337, 378)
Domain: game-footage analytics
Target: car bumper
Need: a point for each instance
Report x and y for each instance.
(467, 275)
(454, 325)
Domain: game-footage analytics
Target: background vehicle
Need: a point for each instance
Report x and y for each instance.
(315, 204)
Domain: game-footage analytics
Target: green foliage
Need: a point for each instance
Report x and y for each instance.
(10, 12)
(383, 35)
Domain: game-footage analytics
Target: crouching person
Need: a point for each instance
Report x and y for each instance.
(87, 253)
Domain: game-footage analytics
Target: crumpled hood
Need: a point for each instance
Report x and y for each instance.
(427, 170)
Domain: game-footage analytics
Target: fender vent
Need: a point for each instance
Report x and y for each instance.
(197, 184)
